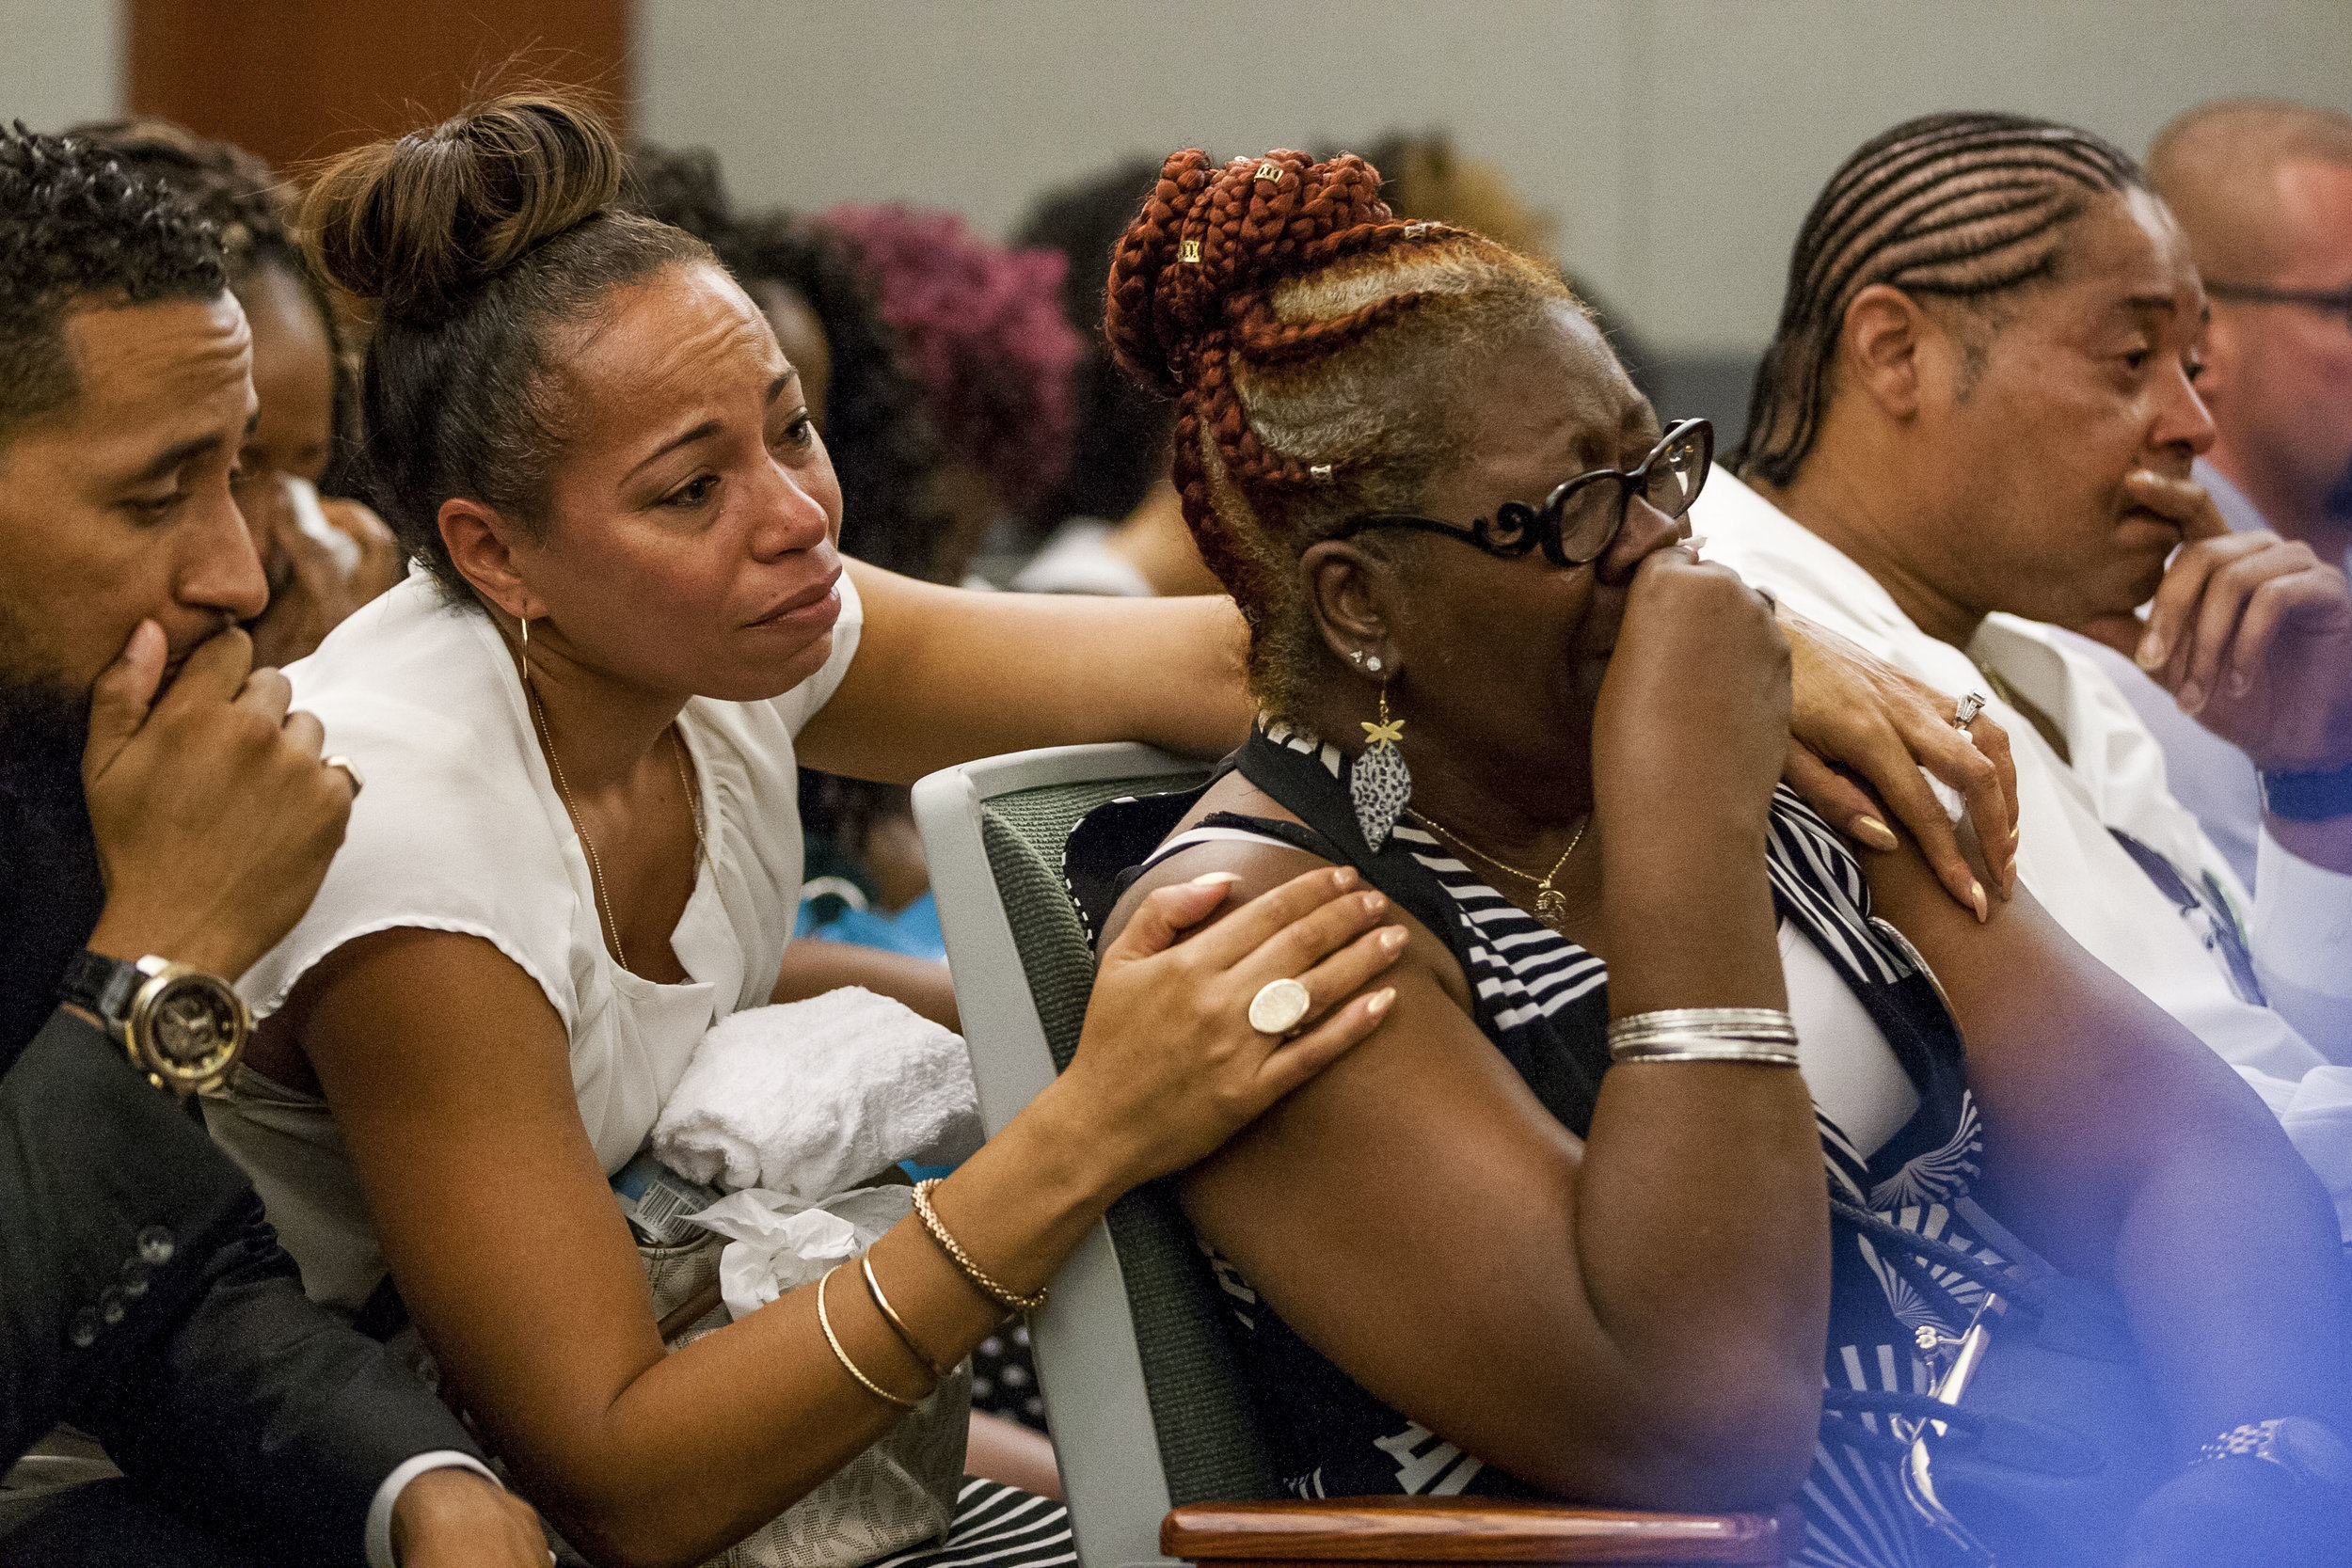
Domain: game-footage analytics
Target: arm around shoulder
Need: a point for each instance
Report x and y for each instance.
(946, 675)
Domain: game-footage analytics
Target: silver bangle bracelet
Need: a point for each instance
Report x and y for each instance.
(1706, 1034)
(1680, 1050)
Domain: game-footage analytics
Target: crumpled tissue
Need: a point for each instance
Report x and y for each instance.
(777, 1243)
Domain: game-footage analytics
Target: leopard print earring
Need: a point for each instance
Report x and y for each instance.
(1379, 784)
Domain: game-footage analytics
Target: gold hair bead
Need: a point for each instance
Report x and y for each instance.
(1320, 471)
(824, 1321)
(1268, 170)
(1010, 1300)
(1189, 251)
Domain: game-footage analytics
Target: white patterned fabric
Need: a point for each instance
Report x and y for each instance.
(2116, 861)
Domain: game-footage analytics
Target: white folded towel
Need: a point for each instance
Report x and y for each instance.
(807, 1098)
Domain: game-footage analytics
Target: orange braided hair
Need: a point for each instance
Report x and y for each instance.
(1263, 297)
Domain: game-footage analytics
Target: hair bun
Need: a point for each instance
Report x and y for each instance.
(1209, 234)
(416, 227)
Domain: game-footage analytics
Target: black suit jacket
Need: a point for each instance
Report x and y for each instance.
(143, 1296)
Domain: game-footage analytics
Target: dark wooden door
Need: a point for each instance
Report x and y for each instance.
(299, 79)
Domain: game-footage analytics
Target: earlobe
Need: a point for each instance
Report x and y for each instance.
(476, 539)
(1882, 344)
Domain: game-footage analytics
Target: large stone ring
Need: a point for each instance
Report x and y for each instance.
(1965, 713)
(1278, 1007)
(350, 772)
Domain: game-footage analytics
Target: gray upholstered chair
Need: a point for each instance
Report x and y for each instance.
(1160, 1450)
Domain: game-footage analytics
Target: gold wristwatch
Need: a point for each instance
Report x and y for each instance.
(181, 1027)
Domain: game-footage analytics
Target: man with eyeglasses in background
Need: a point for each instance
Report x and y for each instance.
(2263, 191)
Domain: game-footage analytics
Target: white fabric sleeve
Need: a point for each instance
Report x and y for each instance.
(2302, 943)
(379, 1531)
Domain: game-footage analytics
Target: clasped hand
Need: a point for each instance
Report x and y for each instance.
(2252, 634)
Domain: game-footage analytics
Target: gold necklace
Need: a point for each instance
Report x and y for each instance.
(595, 867)
(1551, 904)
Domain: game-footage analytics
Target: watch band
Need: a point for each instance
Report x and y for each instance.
(2308, 797)
(182, 1029)
(101, 986)
(2295, 1443)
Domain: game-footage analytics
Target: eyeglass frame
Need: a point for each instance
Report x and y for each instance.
(2335, 302)
(1517, 528)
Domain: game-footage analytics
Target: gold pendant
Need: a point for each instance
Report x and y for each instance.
(1551, 908)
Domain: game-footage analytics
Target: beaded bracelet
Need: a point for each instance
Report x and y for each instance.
(1010, 1300)
(824, 1321)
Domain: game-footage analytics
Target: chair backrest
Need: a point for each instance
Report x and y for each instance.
(1148, 1407)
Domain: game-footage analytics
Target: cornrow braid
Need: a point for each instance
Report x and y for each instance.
(1266, 296)
(1956, 206)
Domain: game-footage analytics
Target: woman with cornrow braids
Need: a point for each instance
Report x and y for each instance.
(1684, 1109)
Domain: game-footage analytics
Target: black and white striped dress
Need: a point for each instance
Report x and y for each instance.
(995, 1526)
(1542, 1000)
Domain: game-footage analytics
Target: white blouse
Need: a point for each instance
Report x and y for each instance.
(460, 828)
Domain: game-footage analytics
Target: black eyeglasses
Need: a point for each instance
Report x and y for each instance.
(1580, 519)
(2333, 301)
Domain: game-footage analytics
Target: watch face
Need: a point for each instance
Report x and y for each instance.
(193, 1023)
(189, 1028)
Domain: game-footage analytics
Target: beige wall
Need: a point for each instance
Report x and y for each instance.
(1680, 139)
(60, 61)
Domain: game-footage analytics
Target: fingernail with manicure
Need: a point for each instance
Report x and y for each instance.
(2240, 683)
(2151, 653)
(2192, 697)
(1215, 878)
(1377, 1003)
(1393, 938)
(1345, 878)
(1985, 911)
(1875, 833)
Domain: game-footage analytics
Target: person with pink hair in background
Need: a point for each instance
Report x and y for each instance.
(983, 332)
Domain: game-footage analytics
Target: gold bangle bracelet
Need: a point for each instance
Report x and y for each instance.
(890, 1313)
(824, 1321)
(1010, 1300)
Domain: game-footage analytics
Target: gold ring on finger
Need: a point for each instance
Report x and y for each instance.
(1278, 1007)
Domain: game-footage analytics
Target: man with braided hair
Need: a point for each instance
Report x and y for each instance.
(1977, 424)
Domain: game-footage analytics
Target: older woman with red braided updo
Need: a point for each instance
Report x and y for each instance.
(1561, 1224)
